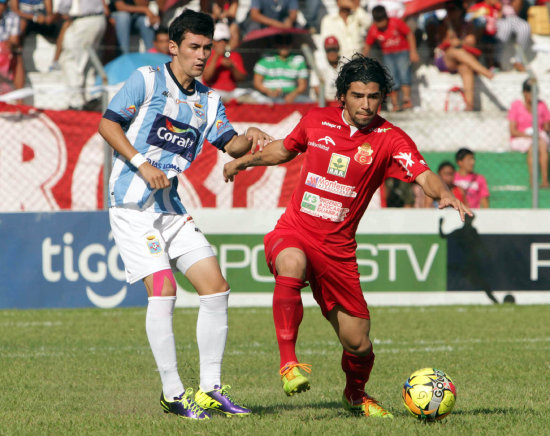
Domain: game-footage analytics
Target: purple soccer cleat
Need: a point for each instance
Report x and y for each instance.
(219, 399)
(184, 406)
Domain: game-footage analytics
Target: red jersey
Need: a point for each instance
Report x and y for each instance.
(223, 79)
(342, 169)
(391, 40)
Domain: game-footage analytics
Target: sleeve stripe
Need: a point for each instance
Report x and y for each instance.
(113, 116)
(220, 142)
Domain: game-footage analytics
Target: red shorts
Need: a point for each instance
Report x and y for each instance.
(333, 282)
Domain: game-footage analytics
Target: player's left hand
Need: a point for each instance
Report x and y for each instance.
(259, 139)
(456, 204)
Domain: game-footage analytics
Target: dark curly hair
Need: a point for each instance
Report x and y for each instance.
(198, 23)
(363, 69)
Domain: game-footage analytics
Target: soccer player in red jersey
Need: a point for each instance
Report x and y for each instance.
(349, 151)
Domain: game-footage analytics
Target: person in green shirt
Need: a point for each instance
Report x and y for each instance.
(283, 76)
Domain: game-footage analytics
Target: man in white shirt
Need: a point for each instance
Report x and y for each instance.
(350, 23)
(327, 62)
(86, 29)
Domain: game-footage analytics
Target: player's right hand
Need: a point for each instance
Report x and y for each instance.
(154, 177)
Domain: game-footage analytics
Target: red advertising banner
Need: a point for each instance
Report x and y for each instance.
(53, 160)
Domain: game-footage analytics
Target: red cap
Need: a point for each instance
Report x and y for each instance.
(331, 41)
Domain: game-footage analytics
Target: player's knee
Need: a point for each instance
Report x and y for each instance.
(164, 283)
(291, 264)
(221, 286)
(360, 346)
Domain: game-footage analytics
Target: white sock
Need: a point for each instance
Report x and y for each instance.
(158, 324)
(211, 336)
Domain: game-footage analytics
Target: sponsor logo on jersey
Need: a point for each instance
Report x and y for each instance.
(153, 244)
(331, 125)
(322, 183)
(379, 129)
(198, 105)
(174, 136)
(338, 165)
(219, 123)
(154, 69)
(327, 140)
(364, 154)
(199, 113)
(317, 206)
(130, 111)
(314, 144)
(406, 161)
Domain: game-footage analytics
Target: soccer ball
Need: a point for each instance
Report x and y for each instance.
(429, 394)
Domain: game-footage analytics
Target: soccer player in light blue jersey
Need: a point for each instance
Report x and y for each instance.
(157, 124)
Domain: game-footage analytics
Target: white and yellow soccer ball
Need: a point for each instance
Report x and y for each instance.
(429, 394)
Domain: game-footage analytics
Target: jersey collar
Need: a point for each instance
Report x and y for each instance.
(181, 88)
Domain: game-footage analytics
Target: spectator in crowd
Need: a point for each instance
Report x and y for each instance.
(224, 68)
(446, 171)
(473, 184)
(483, 16)
(454, 56)
(399, 48)
(129, 14)
(282, 77)
(281, 14)
(521, 131)
(394, 8)
(314, 11)
(37, 16)
(327, 63)
(398, 193)
(349, 24)
(512, 25)
(160, 43)
(11, 60)
(85, 29)
(224, 11)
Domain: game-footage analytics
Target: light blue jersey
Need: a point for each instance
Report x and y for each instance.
(167, 125)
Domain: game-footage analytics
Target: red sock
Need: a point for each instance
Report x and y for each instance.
(357, 369)
(287, 314)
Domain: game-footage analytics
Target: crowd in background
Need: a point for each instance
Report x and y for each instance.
(464, 37)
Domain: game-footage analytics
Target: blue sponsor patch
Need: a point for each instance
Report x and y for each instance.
(174, 136)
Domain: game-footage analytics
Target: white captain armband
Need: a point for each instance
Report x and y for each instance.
(138, 160)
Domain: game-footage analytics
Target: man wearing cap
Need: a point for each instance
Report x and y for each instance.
(225, 68)
(327, 63)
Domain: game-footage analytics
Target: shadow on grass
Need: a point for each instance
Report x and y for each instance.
(277, 408)
(493, 411)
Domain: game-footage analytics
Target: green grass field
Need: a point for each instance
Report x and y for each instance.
(91, 372)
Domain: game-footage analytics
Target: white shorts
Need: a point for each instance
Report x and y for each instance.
(523, 144)
(150, 241)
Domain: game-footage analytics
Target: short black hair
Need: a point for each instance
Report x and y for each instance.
(445, 163)
(363, 69)
(198, 23)
(379, 13)
(462, 153)
(526, 87)
(161, 30)
(282, 39)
